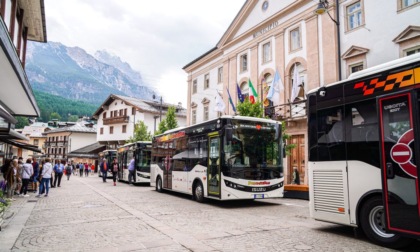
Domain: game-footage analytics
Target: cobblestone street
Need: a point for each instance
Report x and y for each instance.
(85, 214)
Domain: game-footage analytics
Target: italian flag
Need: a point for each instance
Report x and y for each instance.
(253, 95)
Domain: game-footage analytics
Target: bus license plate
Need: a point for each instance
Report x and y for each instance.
(258, 196)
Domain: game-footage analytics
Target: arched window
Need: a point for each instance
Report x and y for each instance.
(245, 89)
(299, 90)
(266, 82)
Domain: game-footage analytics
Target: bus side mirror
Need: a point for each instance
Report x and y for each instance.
(228, 133)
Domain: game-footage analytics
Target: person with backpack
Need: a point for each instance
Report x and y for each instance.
(69, 169)
(27, 172)
(115, 168)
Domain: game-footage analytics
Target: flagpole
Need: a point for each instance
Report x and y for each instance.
(262, 98)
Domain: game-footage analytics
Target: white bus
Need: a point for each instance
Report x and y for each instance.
(109, 155)
(228, 158)
(141, 152)
(364, 154)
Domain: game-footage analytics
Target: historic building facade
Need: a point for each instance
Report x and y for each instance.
(308, 49)
(118, 115)
(61, 141)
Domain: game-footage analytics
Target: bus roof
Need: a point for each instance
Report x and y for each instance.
(235, 117)
(138, 142)
(376, 69)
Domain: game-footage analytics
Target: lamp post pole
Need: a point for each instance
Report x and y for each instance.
(160, 110)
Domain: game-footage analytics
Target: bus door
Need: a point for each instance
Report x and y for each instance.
(167, 166)
(213, 167)
(398, 115)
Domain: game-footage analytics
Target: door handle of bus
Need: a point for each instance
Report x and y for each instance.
(389, 171)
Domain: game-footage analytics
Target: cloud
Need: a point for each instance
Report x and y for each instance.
(157, 38)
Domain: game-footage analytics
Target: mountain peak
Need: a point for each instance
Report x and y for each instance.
(73, 73)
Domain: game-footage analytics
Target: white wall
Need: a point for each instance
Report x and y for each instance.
(78, 140)
(146, 117)
(382, 25)
(8, 9)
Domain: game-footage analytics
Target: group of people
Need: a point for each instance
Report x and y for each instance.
(41, 176)
(114, 167)
(85, 168)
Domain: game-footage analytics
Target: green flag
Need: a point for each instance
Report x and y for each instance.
(253, 95)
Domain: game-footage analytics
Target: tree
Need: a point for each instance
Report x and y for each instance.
(246, 108)
(55, 115)
(171, 122)
(140, 133)
(161, 128)
(21, 122)
(73, 118)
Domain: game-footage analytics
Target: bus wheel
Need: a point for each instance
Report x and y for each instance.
(159, 184)
(199, 192)
(372, 220)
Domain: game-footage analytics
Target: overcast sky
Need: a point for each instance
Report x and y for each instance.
(157, 38)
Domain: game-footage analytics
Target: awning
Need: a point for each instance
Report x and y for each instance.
(12, 134)
(21, 145)
(7, 116)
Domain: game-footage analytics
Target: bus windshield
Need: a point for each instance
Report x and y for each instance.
(143, 160)
(253, 153)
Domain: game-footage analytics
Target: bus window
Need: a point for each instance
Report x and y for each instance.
(362, 132)
(330, 134)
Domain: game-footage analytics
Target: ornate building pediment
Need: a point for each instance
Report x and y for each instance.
(354, 51)
(409, 33)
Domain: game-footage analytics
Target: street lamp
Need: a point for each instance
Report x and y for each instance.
(160, 107)
(321, 9)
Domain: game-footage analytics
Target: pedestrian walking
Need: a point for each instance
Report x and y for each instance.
(104, 169)
(86, 170)
(46, 174)
(81, 169)
(115, 168)
(75, 167)
(131, 171)
(34, 178)
(27, 172)
(40, 177)
(69, 169)
(92, 168)
(58, 171)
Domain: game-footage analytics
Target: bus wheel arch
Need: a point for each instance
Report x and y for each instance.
(198, 191)
(159, 187)
(372, 221)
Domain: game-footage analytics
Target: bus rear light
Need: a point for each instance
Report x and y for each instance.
(341, 210)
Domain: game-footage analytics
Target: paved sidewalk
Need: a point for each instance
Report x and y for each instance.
(85, 214)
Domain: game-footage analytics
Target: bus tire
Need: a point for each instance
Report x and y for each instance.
(372, 220)
(159, 184)
(199, 192)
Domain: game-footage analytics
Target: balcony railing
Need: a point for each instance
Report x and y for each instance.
(287, 111)
(115, 120)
